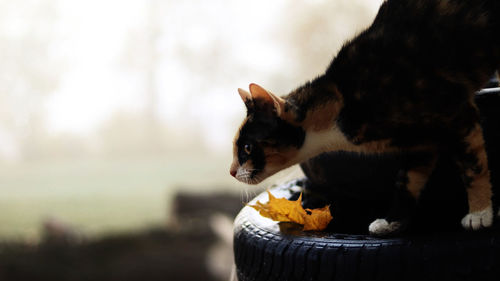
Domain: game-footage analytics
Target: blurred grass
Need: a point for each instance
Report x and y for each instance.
(100, 196)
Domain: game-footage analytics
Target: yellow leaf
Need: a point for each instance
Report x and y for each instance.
(283, 210)
(318, 219)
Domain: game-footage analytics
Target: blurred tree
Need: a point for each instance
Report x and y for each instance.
(313, 38)
(153, 58)
(140, 55)
(28, 72)
(131, 135)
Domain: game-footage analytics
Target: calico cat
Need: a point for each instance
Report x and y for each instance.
(404, 85)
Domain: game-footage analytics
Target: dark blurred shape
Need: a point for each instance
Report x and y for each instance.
(176, 253)
(57, 231)
(201, 206)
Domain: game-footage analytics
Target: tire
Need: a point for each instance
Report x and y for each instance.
(267, 250)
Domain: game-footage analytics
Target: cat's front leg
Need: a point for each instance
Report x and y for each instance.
(472, 160)
(409, 184)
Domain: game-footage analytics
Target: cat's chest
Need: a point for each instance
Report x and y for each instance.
(334, 139)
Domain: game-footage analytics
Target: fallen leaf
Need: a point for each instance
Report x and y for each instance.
(283, 210)
(318, 219)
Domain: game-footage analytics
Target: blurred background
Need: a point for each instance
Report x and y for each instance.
(116, 126)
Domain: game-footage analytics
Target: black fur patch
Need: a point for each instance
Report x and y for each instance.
(263, 129)
(404, 203)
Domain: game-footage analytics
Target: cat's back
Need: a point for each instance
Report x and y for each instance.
(419, 62)
(421, 46)
(422, 29)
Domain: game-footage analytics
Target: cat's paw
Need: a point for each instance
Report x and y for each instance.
(479, 219)
(381, 227)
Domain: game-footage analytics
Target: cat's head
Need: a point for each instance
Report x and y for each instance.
(268, 140)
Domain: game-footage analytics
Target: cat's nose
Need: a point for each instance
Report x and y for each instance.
(233, 173)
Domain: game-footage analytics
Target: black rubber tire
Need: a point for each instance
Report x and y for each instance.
(267, 250)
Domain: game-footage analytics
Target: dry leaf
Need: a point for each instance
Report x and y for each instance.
(283, 210)
(318, 219)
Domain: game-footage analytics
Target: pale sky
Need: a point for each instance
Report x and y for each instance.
(93, 84)
(97, 79)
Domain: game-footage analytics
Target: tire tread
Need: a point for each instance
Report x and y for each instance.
(263, 254)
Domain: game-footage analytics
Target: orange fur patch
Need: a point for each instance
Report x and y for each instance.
(382, 146)
(479, 193)
(447, 7)
(322, 117)
(417, 178)
(276, 159)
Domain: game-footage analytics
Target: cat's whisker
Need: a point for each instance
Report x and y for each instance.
(245, 196)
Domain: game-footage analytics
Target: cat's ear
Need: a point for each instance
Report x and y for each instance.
(266, 100)
(246, 97)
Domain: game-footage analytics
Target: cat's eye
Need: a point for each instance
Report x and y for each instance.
(247, 148)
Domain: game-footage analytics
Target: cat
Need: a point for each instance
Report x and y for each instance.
(406, 84)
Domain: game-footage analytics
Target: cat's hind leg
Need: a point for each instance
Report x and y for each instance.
(409, 183)
(473, 162)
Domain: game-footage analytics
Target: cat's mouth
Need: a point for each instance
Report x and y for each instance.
(247, 174)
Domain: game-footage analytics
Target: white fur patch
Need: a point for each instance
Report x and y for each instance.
(243, 174)
(479, 219)
(332, 139)
(381, 227)
(317, 142)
